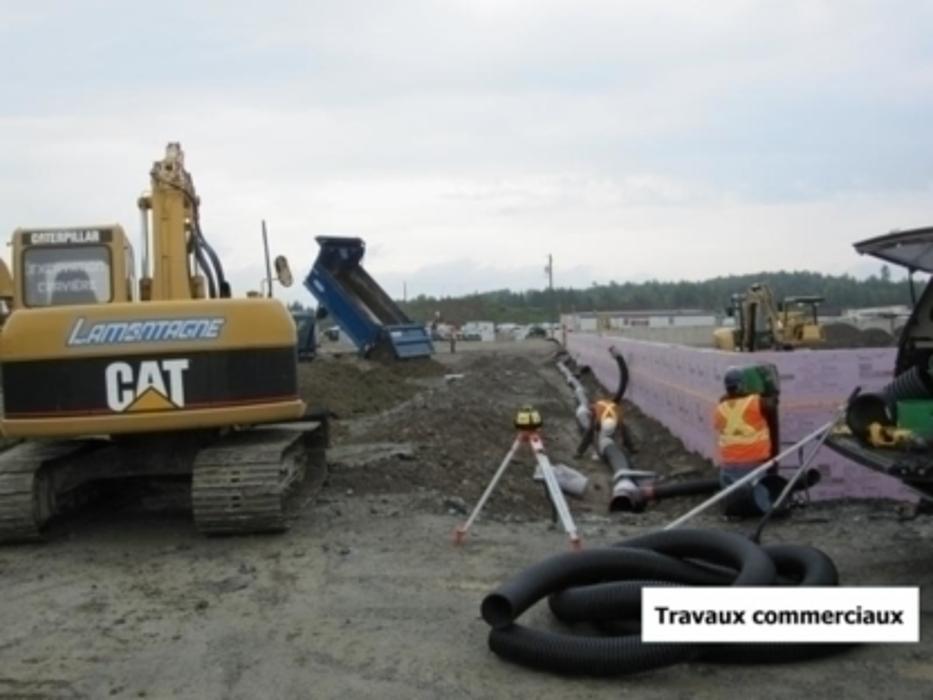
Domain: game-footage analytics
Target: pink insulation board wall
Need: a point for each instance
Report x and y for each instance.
(680, 386)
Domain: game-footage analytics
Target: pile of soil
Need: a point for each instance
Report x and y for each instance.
(841, 335)
(844, 335)
(349, 386)
(877, 338)
(443, 438)
(459, 431)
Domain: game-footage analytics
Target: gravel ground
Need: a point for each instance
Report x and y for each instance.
(366, 596)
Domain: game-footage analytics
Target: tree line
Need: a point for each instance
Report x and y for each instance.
(536, 306)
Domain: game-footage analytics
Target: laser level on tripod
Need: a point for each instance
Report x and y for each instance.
(527, 422)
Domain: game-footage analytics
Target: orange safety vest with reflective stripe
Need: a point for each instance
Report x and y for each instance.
(743, 430)
(605, 409)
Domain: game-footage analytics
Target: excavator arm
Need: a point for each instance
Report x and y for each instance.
(176, 247)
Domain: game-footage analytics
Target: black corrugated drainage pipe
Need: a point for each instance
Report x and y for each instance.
(695, 487)
(603, 587)
(915, 383)
(623, 374)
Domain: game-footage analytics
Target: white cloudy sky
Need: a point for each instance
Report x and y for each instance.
(465, 140)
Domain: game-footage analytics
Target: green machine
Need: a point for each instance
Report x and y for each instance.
(762, 379)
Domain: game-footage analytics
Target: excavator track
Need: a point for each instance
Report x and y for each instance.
(247, 481)
(27, 495)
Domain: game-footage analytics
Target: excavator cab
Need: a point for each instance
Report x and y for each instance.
(800, 321)
(68, 266)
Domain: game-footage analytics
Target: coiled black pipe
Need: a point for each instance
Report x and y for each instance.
(754, 567)
(796, 565)
(515, 596)
(603, 587)
(801, 566)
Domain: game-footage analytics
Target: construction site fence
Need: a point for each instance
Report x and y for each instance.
(680, 386)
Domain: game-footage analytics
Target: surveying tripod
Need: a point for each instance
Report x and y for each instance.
(527, 423)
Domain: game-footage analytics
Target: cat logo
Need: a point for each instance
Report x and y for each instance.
(157, 385)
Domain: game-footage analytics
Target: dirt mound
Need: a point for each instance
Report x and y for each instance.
(350, 386)
(461, 430)
(416, 369)
(842, 335)
(876, 338)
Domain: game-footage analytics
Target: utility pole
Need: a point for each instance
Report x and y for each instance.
(405, 292)
(549, 271)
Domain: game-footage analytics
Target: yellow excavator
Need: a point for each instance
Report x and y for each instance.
(763, 324)
(105, 377)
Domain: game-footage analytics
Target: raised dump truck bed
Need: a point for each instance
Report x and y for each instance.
(359, 306)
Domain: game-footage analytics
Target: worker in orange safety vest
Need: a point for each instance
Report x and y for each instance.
(744, 439)
(605, 421)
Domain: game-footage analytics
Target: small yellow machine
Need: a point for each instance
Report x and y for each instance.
(104, 377)
(763, 324)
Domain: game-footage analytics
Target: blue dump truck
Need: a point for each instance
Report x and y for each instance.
(359, 306)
